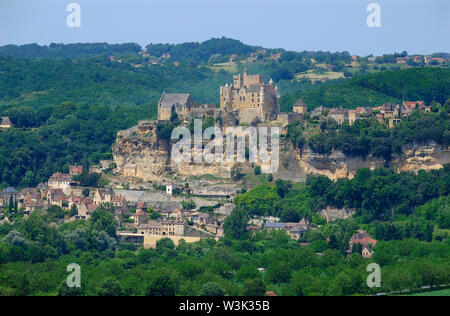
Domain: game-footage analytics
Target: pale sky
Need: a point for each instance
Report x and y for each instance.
(417, 26)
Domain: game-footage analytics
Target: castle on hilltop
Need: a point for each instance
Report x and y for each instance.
(247, 100)
(251, 97)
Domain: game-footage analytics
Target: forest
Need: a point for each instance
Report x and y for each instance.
(67, 103)
(413, 248)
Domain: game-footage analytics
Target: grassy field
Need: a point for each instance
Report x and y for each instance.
(315, 76)
(230, 67)
(445, 292)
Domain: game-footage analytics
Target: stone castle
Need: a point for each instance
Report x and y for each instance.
(138, 152)
(248, 99)
(253, 99)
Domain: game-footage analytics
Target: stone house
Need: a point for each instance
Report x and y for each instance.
(6, 123)
(85, 210)
(61, 181)
(30, 200)
(199, 218)
(58, 198)
(294, 230)
(6, 195)
(364, 239)
(367, 252)
(340, 115)
(215, 229)
(140, 217)
(120, 212)
(297, 232)
(176, 214)
(75, 170)
(163, 228)
(108, 196)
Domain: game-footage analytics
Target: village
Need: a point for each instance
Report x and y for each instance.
(138, 221)
(175, 208)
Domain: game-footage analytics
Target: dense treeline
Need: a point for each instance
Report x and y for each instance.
(381, 194)
(427, 84)
(100, 81)
(218, 49)
(208, 267)
(60, 135)
(79, 50)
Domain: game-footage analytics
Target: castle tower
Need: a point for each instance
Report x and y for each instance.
(300, 107)
(238, 83)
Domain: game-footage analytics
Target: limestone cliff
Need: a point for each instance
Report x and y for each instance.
(414, 157)
(138, 153)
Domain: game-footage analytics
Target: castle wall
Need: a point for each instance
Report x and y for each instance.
(300, 109)
(164, 114)
(150, 240)
(247, 115)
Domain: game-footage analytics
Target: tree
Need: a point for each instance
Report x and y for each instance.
(64, 290)
(162, 285)
(165, 244)
(102, 219)
(254, 287)
(12, 210)
(189, 205)
(282, 187)
(279, 272)
(56, 212)
(257, 170)
(73, 211)
(290, 216)
(109, 287)
(235, 225)
(211, 289)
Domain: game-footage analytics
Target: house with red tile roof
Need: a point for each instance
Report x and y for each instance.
(364, 239)
(75, 170)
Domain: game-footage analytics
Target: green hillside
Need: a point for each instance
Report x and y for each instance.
(428, 84)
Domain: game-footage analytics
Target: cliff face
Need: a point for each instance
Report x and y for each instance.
(414, 157)
(138, 153)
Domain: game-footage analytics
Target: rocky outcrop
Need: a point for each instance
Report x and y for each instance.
(332, 214)
(427, 157)
(138, 153)
(414, 157)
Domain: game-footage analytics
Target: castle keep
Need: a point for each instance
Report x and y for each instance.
(251, 97)
(248, 99)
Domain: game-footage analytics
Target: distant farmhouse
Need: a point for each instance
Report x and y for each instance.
(6, 123)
